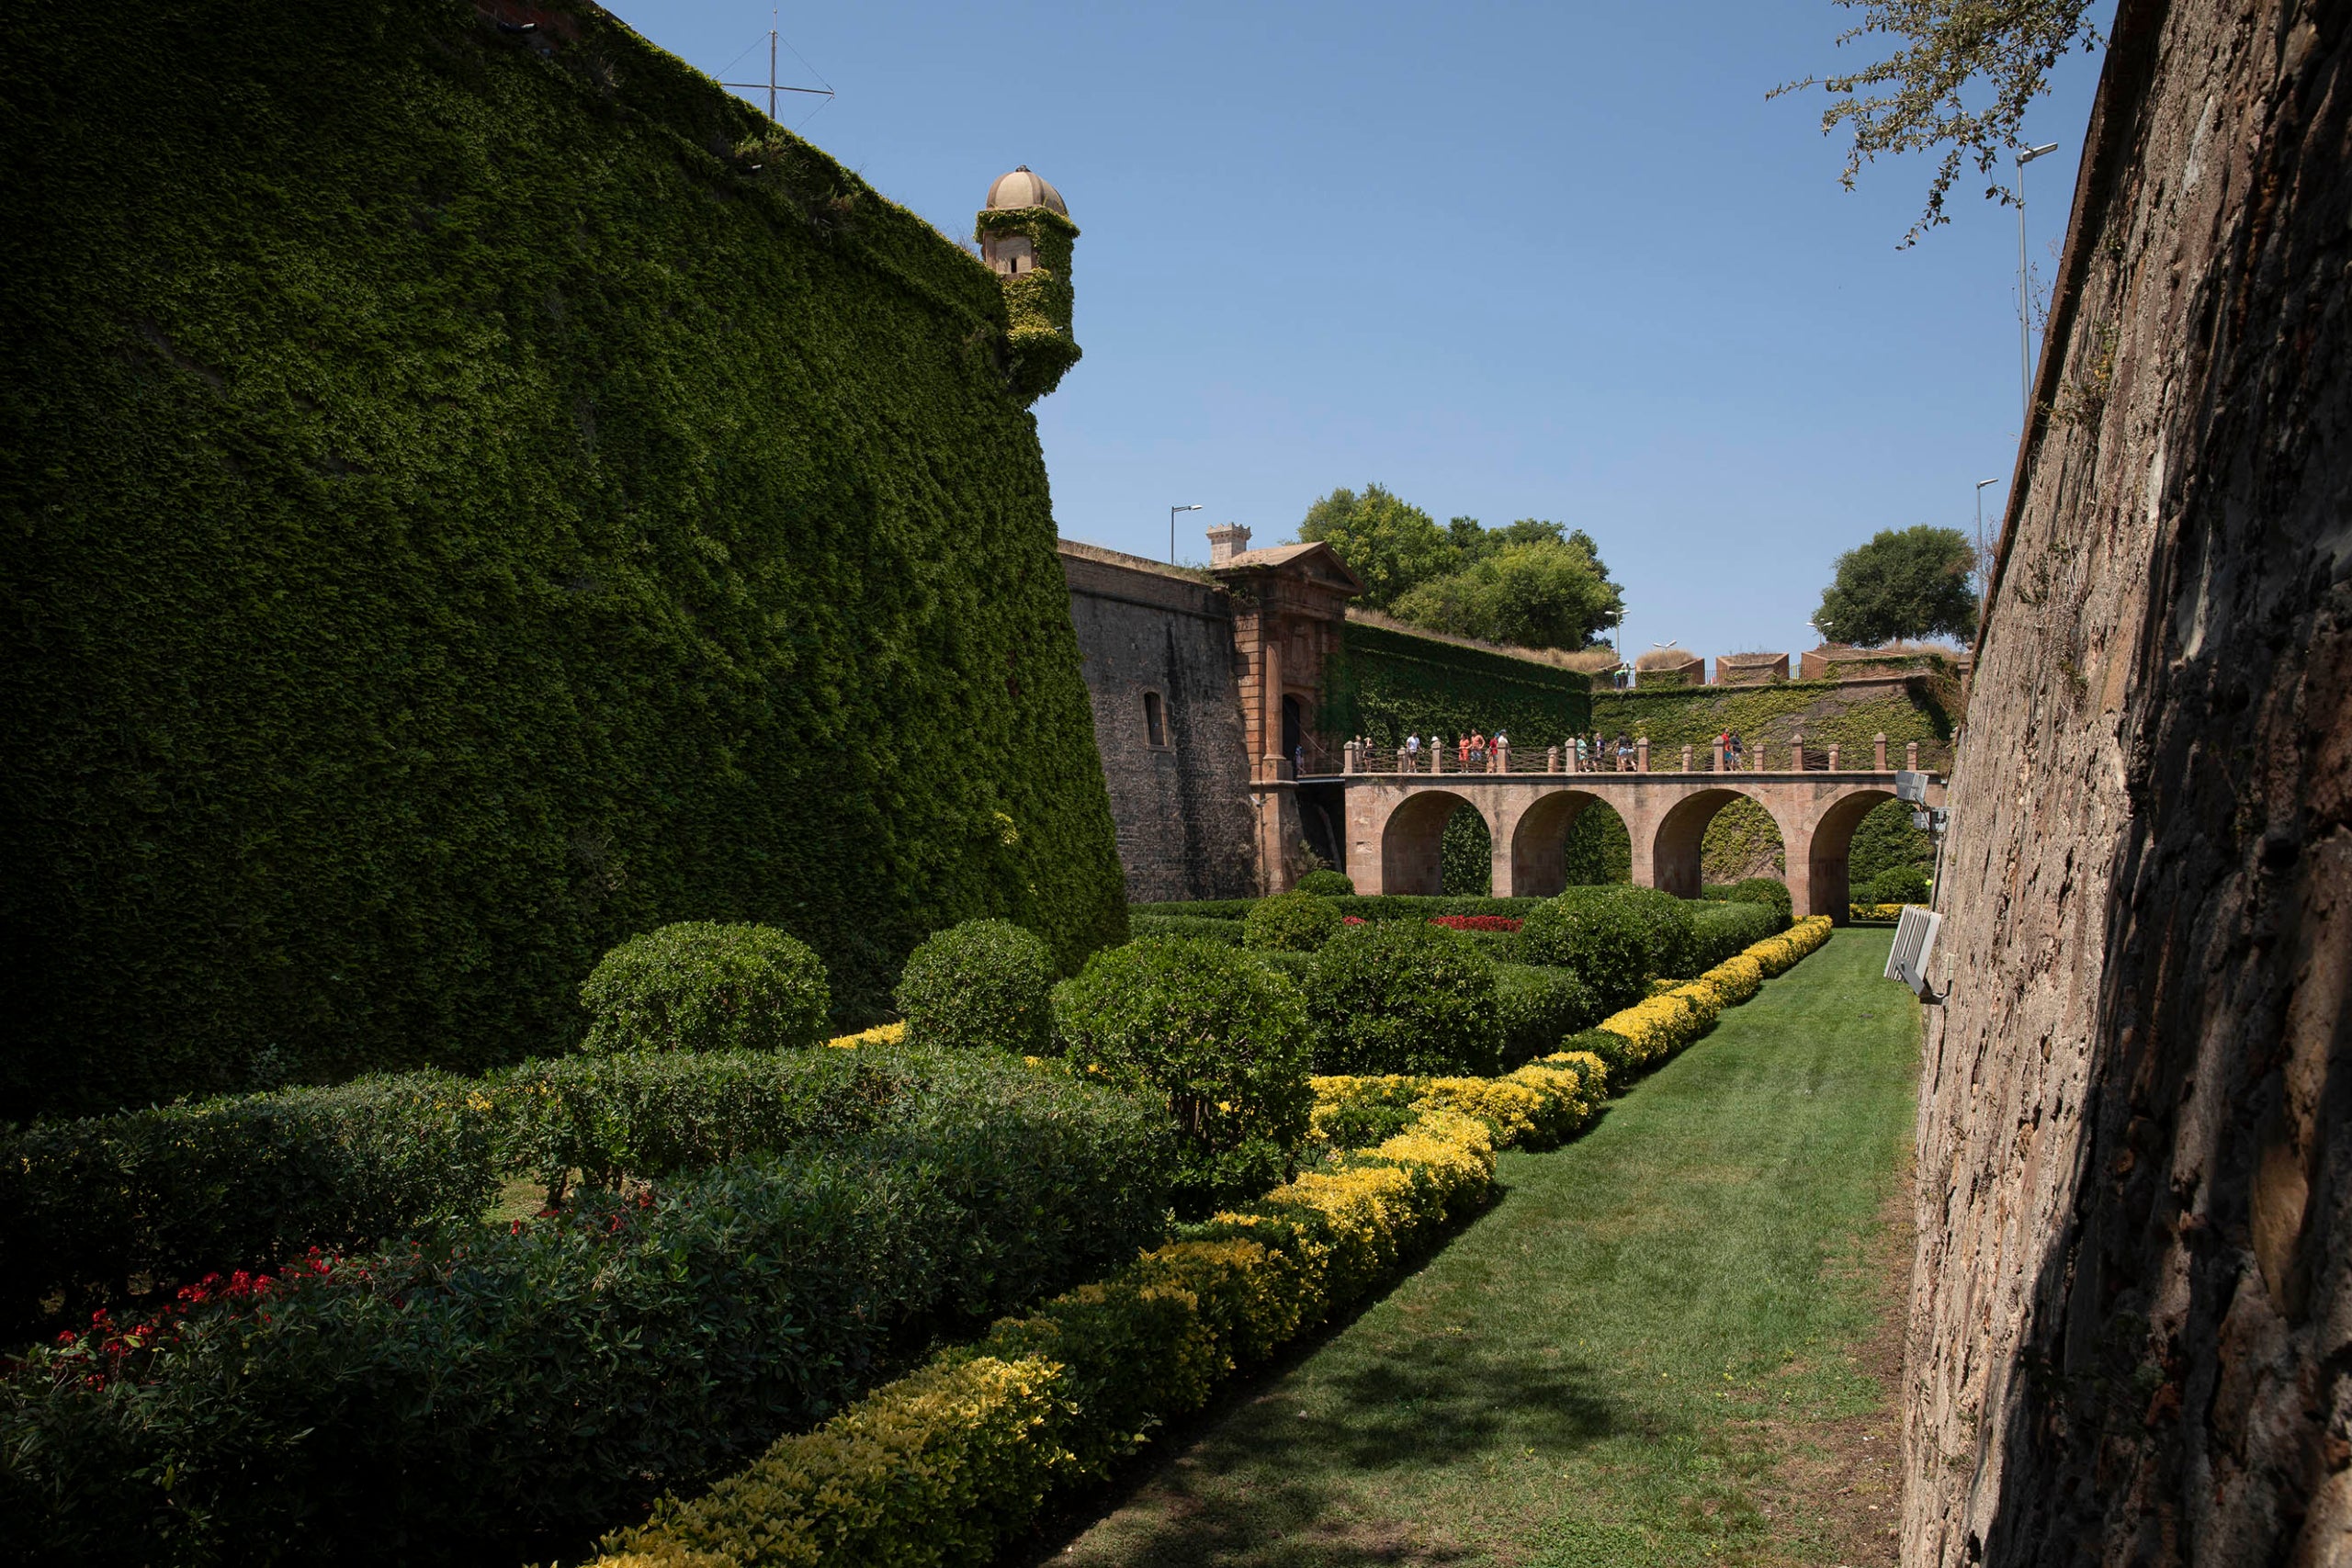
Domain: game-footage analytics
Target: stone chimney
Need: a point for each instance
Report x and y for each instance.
(1227, 541)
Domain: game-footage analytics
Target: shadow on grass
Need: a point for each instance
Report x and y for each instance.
(1205, 1491)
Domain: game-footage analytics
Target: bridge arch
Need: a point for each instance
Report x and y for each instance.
(1825, 890)
(1675, 845)
(1411, 838)
(1539, 841)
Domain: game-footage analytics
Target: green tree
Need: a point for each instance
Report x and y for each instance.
(1390, 543)
(1906, 582)
(1546, 593)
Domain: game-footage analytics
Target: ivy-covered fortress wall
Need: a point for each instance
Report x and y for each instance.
(1847, 713)
(1390, 683)
(470, 494)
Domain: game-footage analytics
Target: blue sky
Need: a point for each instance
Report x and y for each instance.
(1556, 261)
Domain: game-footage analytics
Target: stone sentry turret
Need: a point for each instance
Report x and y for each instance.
(1025, 236)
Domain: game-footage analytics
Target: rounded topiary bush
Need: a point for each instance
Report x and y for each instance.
(699, 985)
(1899, 885)
(1600, 938)
(1222, 1034)
(1402, 997)
(1615, 1051)
(1327, 885)
(985, 983)
(1290, 922)
(1764, 890)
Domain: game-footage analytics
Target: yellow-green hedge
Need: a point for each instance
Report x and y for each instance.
(1676, 1013)
(941, 1466)
(1877, 913)
(1780, 954)
(1536, 1106)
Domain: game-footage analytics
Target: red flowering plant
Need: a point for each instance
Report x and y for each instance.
(509, 1391)
(1475, 923)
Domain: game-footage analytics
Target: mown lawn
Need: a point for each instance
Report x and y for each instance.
(1670, 1343)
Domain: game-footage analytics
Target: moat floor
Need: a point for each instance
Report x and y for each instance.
(1673, 1341)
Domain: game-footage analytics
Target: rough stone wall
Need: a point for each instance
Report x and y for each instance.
(2131, 1319)
(1182, 812)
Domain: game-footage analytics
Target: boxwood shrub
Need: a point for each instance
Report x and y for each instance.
(1600, 938)
(1404, 997)
(1764, 890)
(1290, 922)
(1328, 884)
(504, 1396)
(1220, 1035)
(1225, 932)
(985, 983)
(1670, 926)
(1539, 1007)
(699, 985)
(1722, 930)
(1899, 885)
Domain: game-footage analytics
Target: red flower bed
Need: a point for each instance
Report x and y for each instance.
(1352, 920)
(1475, 923)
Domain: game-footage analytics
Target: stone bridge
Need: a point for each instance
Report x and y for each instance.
(1395, 821)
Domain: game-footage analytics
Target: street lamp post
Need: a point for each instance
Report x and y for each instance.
(1171, 529)
(2025, 301)
(1984, 573)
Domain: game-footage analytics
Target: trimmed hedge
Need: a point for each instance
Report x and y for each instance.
(1197, 928)
(508, 1394)
(1670, 924)
(1780, 954)
(1676, 1014)
(988, 984)
(1539, 1007)
(1720, 931)
(161, 1196)
(949, 1463)
(1328, 884)
(1404, 997)
(1223, 1037)
(1535, 1106)
(1290, 922)
(478, 497)
(1363, 907)
(1597, 936)
(698, 986)
(1764, 890)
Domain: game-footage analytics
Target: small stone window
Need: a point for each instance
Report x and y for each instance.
(1155, 721)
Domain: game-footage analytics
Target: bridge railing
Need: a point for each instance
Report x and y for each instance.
(1638, 757)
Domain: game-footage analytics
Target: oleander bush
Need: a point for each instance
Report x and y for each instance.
(1199, 927)
(1221, 1035)
(1598, 938)
(101, 1211)
(948, 1464)
(1764, 890)
(1720, 931)
(1328, 884)
(984, 983)
(1404, 997)
(699, 985)
(507, 1393)
(1899, 885)
(1539, 1007)
(1290, 922)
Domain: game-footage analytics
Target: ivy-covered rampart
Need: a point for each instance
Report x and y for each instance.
(1388, 684)
(470, 494)
(1845, 714)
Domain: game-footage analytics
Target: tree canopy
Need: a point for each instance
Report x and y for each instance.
(1533, 583)
(1390, 543)
(1906, 582)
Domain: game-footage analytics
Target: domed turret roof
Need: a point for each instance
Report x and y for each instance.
(1022, 189)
